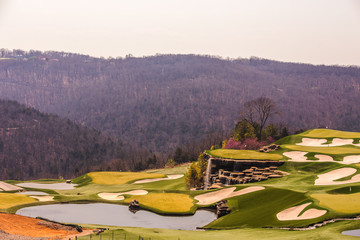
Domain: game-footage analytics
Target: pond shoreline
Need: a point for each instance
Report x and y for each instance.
(116, 215)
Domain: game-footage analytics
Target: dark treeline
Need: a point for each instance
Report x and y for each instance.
(167, 101)
(36, 145)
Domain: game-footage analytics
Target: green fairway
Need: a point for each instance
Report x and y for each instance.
(8, 200)
(325, 150)
(111, 178)
(259, 209)
(343, 203)
(165, 202)
(345, 190)
(329, 133)
(244, 154)
(328, 232)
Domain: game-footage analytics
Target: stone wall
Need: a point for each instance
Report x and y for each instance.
(233, 165)
(231, 171)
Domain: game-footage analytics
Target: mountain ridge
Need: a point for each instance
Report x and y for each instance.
(161, 102)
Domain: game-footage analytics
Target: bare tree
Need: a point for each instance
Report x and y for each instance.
(258, 111)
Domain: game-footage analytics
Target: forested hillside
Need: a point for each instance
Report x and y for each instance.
(36, 145)
(164, 101)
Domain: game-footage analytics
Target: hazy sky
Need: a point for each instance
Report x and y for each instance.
(311, 31)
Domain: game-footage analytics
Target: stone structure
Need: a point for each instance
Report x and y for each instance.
(222, 208)
(269, 148)
(230, 171)
(134, 205)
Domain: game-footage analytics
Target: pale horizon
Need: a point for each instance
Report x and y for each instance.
(315, 32)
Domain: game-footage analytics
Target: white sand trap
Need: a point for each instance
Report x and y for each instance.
(324, 158)
(351, 159)
(118, 196)
(8, 187)
(296, 156)
(111, 196)
(43, 198)
(341, 142)
(169, 177)
(135, 192)
(313, 142)
(293, 213)
(213, 197)
(330, 177)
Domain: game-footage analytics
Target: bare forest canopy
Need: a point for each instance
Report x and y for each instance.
(164, 101)
(36, 145)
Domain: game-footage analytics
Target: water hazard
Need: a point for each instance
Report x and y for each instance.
(54, 186)
(116, 215)
(355, 233)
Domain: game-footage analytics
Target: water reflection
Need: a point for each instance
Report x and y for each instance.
(116, 215)
(355, 233)
(54, 186)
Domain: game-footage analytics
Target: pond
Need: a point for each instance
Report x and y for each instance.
(54, 186)
(37, 193)
(355, 233)
(116, 215)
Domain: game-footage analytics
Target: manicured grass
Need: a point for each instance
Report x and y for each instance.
(259, 209)
(328, 232)
(343, 203)
(345, 190)
(329, 133)
(111, 178)
(8, 200)
(181, 169)
(244, 154)
(176, 184)
(325, 150)
(166, 202)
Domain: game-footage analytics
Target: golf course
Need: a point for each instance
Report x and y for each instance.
(317, 198)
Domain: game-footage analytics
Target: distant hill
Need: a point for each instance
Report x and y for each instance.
(37, 145)
(164, 101)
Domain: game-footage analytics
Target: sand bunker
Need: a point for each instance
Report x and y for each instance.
(119, 196)
(169, 177)
(111, 196)
(315, 142)
(213, 197)
(330, 177)
(8, 187)
(324, 158)
(293, 213)
(340, 142)
(298, 156)
(43, 198)
(351, 159)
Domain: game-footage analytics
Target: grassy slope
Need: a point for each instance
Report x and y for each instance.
(166, 202)
(329, 133)
(244, 154)
(329, 232)
(111, 178)
(8, 200)
(348, 150)
(259, 209)
(342, 203)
